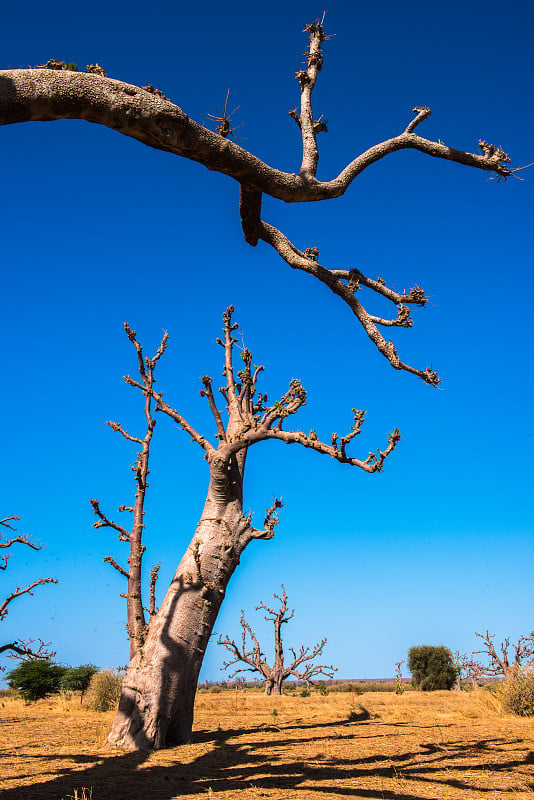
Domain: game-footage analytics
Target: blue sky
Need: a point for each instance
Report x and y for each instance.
(98, 229)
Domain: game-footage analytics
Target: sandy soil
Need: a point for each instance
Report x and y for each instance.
(431, 746)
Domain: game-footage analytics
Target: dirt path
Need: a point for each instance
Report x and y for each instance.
(429, 746)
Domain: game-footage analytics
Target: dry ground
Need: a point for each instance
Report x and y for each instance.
(437, 745)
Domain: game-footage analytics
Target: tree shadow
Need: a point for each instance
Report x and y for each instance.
(235, 764)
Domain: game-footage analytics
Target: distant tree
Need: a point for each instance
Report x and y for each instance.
(36, 678)
(252, 655)
(467, 667)
(511, 657)
(432, 667)
(20, 648)
(77, 679)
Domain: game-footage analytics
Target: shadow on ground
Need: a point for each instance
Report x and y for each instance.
(241, 759)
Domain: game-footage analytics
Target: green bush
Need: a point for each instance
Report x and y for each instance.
(518, 695)
(431, 667)
(77, 679)
(36, 678)
(104, 690)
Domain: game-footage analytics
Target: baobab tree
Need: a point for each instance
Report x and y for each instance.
(158, 692)
(467, 666)
(511, 657)
(136, 625)
(251, 654)
(20, 648)
(156, 705)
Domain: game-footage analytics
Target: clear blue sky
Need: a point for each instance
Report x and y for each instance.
(98, 229)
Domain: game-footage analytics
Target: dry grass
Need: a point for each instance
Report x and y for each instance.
(433, 746)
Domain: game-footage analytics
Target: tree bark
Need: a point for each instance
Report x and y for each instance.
(158, 694)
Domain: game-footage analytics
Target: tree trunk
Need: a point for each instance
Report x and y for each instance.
(158, 693)
(278, 680)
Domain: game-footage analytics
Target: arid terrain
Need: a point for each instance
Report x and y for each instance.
(416, 745)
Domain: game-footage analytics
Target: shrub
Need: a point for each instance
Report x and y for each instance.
(518, 695)
(77, 679)
(431, 667)
(36, 678)
(305, 692)
(104, 690)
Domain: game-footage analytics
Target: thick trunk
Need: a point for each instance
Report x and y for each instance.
(273, 685)
(158, 694)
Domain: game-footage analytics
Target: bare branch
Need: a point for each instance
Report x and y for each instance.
(24, 650)
(111, 560)
(5, 522)
(335, 280)
(21, 538)
(118, 429)
(153, 579)
(307, 78)
(105, 522)
(171, 412)
(18, 592)
(47, 94)
(208, 392)
(422, 112)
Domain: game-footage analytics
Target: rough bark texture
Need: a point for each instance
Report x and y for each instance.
(156, 706)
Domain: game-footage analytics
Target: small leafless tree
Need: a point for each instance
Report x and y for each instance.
(33, 648)
(510, 657)
(252, 654)
(467, 667)
(135, 610)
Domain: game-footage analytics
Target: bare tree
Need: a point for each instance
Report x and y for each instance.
(511, 657)
(468, 667)
(135, 610)
(20, 648)
(252, 654)
(156, 705)
(55, 92)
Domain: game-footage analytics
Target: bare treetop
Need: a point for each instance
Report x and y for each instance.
(56, 92)
(509, 659)
(301, 666)
(250, 419)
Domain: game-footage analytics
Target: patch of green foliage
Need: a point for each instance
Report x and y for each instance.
(432, 667)
(77, 679)
(36, 678)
